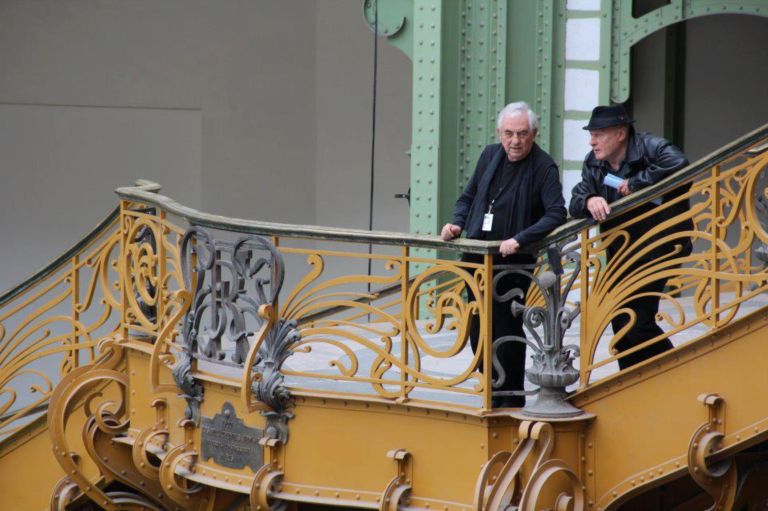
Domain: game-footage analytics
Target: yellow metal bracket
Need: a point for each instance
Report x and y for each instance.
(499, 491)
(151, 440)
(64, 493)
(719, 480)
(268, 478)
(400, 486)
(180, 461)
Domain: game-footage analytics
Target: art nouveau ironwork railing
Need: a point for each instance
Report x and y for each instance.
(721, 277)
(271, 306)
(53, 321)
(344, 337)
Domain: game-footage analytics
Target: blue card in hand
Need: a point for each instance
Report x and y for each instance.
(612, 180)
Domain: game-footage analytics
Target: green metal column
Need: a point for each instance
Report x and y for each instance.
(470, 57)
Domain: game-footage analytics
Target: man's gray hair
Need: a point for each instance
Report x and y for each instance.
(515, 109)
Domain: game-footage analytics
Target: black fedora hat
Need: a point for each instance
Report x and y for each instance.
(607, 116)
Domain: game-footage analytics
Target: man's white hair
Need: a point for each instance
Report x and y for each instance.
(515, 109)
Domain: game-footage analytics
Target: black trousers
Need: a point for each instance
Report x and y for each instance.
(645, 327)
(511, 354)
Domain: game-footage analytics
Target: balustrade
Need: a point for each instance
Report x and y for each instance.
(277, 309)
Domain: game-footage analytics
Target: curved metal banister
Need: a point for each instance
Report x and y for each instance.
(240, 225)
(67, 255)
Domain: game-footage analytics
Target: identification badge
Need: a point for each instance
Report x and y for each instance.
(487, 221)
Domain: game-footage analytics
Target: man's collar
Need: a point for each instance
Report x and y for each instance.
(635, 150)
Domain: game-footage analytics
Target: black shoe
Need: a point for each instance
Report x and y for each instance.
(508, 402)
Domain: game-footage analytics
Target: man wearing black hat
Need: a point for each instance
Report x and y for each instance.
(621, 162)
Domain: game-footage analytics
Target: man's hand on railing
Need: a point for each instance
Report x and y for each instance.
(509, 247)
(598, 208)
(450, 232)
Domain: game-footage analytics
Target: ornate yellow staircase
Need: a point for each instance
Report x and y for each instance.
(179, 360)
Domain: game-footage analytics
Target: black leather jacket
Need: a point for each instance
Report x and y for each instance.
(649, 159)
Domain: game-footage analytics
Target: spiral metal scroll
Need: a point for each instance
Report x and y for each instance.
(382, 344)
(150, 271)
(501, 484)
(105, 420)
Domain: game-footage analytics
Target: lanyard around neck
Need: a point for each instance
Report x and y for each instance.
(503, 188)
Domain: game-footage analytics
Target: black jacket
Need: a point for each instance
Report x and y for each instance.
(534, 213)
(649, 159)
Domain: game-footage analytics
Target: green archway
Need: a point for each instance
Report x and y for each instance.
(626, 30)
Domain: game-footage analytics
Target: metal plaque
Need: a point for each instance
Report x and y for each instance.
(231, 443)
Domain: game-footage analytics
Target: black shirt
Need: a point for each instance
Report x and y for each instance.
(501, 195)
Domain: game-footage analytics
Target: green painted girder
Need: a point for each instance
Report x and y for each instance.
(627, 30)
(470, 57)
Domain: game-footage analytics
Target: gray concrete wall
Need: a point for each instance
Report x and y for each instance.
(344, 84)
(60, 163)
(726, 79)
(256, 109)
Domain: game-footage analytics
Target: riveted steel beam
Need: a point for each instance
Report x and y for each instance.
(470, 57)
(395, 22)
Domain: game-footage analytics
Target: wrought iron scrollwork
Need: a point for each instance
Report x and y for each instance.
(231, 282)
(146, 237)
(191, 390)
(268, 387)
(761, 213)
(552, 370)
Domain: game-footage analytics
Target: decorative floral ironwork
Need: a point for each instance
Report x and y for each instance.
(552, 370)
(231, 283)
(269, 387)
(191, 390)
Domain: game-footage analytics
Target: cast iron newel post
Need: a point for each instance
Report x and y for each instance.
(552, 370)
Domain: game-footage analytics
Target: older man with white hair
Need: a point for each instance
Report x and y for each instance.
(514, 196)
